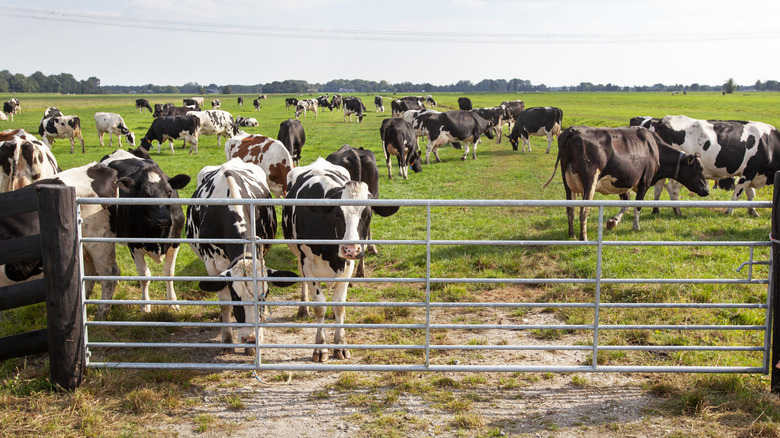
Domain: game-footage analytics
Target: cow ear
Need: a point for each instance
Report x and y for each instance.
(384, 211)
(179, 181)
(274, 273)
(212, 286)
(126, 184)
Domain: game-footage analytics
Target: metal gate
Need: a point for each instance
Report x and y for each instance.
(426, 350)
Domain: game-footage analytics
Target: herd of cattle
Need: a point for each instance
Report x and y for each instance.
(649, 152)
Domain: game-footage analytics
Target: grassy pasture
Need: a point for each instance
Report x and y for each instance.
(498, 173)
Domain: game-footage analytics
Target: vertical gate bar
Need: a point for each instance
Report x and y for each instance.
(775, 292)
(428, 287)
(768, 316)
(597, 297)
(82, 283)
(253, 230)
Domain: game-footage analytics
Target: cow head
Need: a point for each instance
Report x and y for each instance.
(131, 138)
(154, 183)
(415, 160)
(689, 173)
(514, 139)
(239, 290)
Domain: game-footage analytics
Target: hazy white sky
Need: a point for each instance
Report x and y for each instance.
(555, 42)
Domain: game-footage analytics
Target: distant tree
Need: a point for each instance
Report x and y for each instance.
(227, 89)
(730, 86)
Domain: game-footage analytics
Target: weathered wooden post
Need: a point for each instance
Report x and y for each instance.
(57, 215)
(775, 292)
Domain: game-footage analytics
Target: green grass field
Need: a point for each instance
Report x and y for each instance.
(498, 173)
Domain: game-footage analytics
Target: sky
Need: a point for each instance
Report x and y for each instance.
(554, 42)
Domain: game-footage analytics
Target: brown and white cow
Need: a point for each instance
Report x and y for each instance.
(23, 160)
(270, 154)
(616, 161)
(61, 127)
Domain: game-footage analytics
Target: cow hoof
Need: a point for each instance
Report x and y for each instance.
(341, 354)
(677, 211)
(656, 211)
(146, 308)
(175, 307)
(321, 356)
(753, 212)
(303, 312)
(463, 158)
(250, 351)
(611, 224)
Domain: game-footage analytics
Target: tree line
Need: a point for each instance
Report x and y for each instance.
(65, 83)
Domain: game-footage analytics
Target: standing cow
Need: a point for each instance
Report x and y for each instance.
(142, 104)
(292, 135)
(379, 103)
(113, 124)
(398, 140)
(172, 128)
(353, 105)
(216, 122)
(269, 154)
(455, 127)
(541, 121)
(61, 127)
(23, 160)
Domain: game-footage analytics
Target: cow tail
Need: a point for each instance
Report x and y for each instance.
(561, 140)
(555, 169)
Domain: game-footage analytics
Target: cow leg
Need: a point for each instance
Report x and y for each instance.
(72, 144)
(612, 223)
(549, 142)
(143, 270)
(100, 138)
(320, 354)
(569, 210)
(226, 333)
(83, 150)
(110, 139)
(658, 189)
(584, 211)
(100, 259)
(170, 141)
(303, 311)
(673, 188)
(340, 296)
(750, 193)
(168, 271)
(465, 152)
(388, 157)
(474, 151)
(743, 186)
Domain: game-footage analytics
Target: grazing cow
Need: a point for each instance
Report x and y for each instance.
(90, 181)
(216, 104)
(419, 121)
(464, 104)
(197, 102)
(23, 160)
(398, 139)
(240, 101)
(171, 128)
(163, 109)
(336, 102)
(290, 102)
(17, 105)
(246, 122)
(512, 110)
(322, 102)
(306, 105)
(238, 180)
(256, 104)
(379, 103)
(113, 124)
(292, 135)
(154, 221)
(9, 109)
(399, 106)
(141, 104)
(616, 160)
(61, 127)
(324, 180)
(645, 122)
(52, 111)
(538, 121)
(269, 154)
(455, 127)
(216, 122)
(429, 100)
(262, 97)
(495, 118)
(353, 105)
(728, 148)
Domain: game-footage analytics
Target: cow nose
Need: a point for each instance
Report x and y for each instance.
(248, 339)
(351, 252)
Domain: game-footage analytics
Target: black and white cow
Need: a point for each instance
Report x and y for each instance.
(495, 118)
(728, 148)
(399, 106)
(419, 121)
(256, 104)
(324, 180)
(141, 104)
(155, 221)
(353, 105)
(336, 102)
(24, 160)
(172, 128)
(512, 110)
(246, 122)
(293, 137)
(429, 100)
(540, 121)
(52, 111)
(9, 109)
(398, 139)
(646, 122)
(290, 102)
(163, 109)
(616, 160)
(464, 104)
(379, 103)
(455, 127)
(216, 104)
(216, 122)
(234, 180)
(323, 102)
(113, 124)
(262, 97)
(196, 102)
(90, 181)
(61, 127)
(306, 105)
(240, 101)
(17, 105)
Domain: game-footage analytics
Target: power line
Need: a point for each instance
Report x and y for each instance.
(376, 35)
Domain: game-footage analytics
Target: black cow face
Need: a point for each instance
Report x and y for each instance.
(690, 175)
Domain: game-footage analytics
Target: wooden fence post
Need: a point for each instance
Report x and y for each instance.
(57, 214)
(775, 292)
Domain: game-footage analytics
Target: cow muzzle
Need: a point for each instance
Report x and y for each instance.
(351, 252)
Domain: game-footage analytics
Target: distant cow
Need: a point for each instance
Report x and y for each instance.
(154, 221)
(238, 180)
(290, 102)
(61, 127)
(540, 121)
(398, 140)
(216, 122)
(306, 105)
(617, 160)
(353, 105)
(495, 118)
(292, 135)
(163, 109)
(269, 154)
(419, 121)
(645, 122)
(240, 101)
(262, 97)
(246, 122)
(9, 109)
(323, 180)
(216, 104)
(90, 181)
(172, 128)
(379, 104)
(17, 105)
(256, 104)
(141, 104)
(429, 100)
(23, 160)
(197, 102)
(464, 104)
(455, 127)
(113, 124)
(512, 110)
(398, 106)
(335, 102)
(52, 111)
(322, 102)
